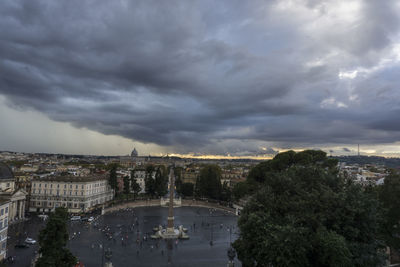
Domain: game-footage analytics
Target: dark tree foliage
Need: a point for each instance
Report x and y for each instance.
(150, 185)
(226, 193)
(53, 239)
(208, 183)
(113, 178)
(187, 189)
(389, 195)
(307, 215)
(161, 182)
(285, 160)
(178, 179)
(135, 187)
(240, 190)
(126, 185)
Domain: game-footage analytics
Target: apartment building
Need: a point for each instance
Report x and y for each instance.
(77, 193)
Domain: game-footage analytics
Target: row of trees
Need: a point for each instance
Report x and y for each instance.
(208, 184)
(301, 212)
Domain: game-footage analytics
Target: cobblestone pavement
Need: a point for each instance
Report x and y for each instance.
(124, 232)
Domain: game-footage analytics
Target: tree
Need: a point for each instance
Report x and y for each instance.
(135, 187)
(240, 190)
(178, 179)
(149, 181)
(187, 189)
(307, 215)
(389, 195)
(161, 182)
(126, 185)
(53, 239)
(226, 193)
(113, 178)
(208, 183)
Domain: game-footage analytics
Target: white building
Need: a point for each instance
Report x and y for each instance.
(8, 191)
(4, 210)
(77, 193)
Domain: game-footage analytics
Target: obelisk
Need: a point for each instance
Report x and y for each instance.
(170, 226)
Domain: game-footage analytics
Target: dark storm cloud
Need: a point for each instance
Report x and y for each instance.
(222, 77)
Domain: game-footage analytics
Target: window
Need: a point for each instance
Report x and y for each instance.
(70, 186)
(76, 187)
(2, 212)
(40, 185)
(6, 210)
(58, 193)
(8, 184)
(45, 185)
(65, 186)
(58, 186)
(5, 222)
(51, 185)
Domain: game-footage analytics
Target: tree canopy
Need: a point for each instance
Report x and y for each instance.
(208, 183)
(53, 239)
(305, 214)
(389, 195)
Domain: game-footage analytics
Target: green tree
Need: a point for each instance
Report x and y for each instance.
(226, 193)
(187, 189)
(208, 183)
(389, 195)
(113, 178)
(161, 182)
(135, 187)
(53, 239)
(240, 190)
(126, 185)
(306, 215)
(150, 185)
(178, 179)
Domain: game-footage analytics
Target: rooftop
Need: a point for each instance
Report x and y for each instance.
(72, 179)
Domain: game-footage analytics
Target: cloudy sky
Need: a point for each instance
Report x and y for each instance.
(200, 77)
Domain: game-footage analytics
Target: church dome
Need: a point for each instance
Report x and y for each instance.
(134, 153)
(5, 172)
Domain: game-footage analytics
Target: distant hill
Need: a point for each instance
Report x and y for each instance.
(388, 162)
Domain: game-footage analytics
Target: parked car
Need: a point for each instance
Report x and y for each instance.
(75, 218)
(30, 241)
(22, 245)
(90, 219)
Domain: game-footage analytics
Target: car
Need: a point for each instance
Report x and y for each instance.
(21, 245)
(30, 241)
(90, 219)
(75, 218)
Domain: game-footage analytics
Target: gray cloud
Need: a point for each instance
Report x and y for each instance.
(226, 77)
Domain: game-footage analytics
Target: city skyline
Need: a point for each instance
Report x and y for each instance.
(226, 79)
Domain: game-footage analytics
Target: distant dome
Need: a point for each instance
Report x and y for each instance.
(134, 153)
(5, 172)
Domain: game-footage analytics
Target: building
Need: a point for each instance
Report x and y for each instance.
(8, 191)
(139, 176)
(77, 193)
(4, 209)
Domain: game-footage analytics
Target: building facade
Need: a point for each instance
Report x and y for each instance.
(4, 210)
(76, 193)
(8, 190)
